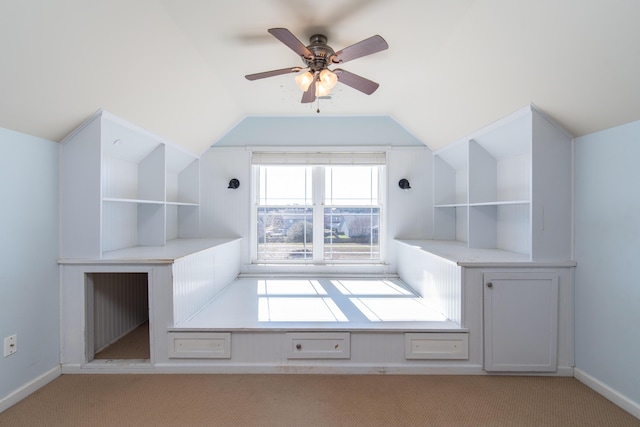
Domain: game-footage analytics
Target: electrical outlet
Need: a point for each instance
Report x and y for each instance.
(10, 345)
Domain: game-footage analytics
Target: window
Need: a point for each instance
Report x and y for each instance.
(351, 213)
(285, 213)
(339, 205)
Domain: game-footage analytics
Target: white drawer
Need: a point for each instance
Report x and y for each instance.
(200, 345)
(436, 345)
(318, 345)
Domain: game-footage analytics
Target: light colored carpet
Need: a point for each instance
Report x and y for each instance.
(314, 400)
(134, 345)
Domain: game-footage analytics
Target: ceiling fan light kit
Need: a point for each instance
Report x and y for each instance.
(327, 79)
(304, 79)
(316, 79)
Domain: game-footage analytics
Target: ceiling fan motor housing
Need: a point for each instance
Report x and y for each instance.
(322, 53)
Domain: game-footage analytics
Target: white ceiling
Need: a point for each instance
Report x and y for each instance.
(176, 67)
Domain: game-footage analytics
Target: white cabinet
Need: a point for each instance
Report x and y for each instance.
(122, 186)
(520, 321)
(507, 186)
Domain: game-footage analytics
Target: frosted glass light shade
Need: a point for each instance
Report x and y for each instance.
(303, 80)
(321, 89)
(328, 79)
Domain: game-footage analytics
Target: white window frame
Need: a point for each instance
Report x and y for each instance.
(318, 160)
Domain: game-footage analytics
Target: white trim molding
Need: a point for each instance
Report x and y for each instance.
(28, 388)
(611, 394)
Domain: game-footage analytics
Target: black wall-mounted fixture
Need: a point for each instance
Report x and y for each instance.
(234, 183)
(404, 184)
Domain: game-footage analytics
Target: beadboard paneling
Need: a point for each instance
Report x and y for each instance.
(193, 284)
(120, 225)
(120, 304)
(510, 233)
(198, 278)
(119, 178)
(436, 279)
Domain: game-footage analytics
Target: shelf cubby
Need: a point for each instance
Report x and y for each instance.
(124, 187)
(500, 163)
(451, 176)
(182, 178)
(507, 186)
(451, 223)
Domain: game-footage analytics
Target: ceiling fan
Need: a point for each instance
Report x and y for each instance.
(318, 80)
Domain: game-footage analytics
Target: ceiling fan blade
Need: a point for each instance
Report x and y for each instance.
(356, 82)
(286, 37)
(310, 94)
(272, 73)
(366, 47)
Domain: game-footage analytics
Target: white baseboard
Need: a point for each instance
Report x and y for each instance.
(268, 368)
(30, 387)
(332, 369)
(176, 367)
(613, 395)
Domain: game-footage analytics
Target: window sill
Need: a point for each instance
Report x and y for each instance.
(378, 269)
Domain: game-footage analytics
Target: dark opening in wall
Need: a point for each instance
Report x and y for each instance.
(118, 316)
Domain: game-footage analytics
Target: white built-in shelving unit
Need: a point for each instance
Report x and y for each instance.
(508, 187)
(502, 235)
(121, 187)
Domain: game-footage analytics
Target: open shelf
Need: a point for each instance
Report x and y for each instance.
(491, 192)
(451, 223)
(148, 191)
(114, 200)
(451, 176)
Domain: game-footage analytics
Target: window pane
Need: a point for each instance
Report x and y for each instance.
(285, 185)
(285, 233)
(351, 185)
(347, 198)
(351, 233)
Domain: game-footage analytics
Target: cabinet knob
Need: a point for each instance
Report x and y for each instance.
(298, 346)
(489, 285)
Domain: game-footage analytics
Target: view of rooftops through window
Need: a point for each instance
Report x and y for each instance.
(340, 203)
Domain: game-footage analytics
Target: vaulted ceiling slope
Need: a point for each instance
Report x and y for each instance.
(177, 67)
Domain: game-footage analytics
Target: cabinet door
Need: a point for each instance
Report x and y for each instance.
(520, 322)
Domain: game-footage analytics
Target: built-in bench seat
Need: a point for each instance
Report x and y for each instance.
(318, 304)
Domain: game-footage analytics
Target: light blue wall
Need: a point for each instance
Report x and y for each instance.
(29, 296)
(607, 296)
(318, 130)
